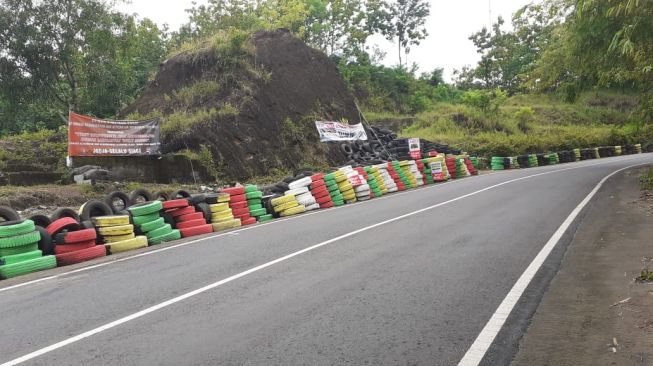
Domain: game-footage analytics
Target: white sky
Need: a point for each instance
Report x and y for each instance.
(449, 26)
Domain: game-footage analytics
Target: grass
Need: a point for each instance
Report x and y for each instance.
(533, 124)
(647, 180)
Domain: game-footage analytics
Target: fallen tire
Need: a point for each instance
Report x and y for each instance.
(30, 266)
(196, 230)
(127, 245)
(80, 256)
(93, 209)
(140, 196)
(169, 205)
(118, 201)
(40, 220)
(61, 213)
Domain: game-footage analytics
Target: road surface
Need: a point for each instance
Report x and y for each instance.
(411, 278)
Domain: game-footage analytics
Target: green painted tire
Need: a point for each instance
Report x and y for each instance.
(21, 228)
(265, 218)
(254, 195)
(255, 207)
(17, 258)
(29, 266)
(153, 225)
(258, 213)
(20, 240)
(173, 235)
(162, 231)
(141, 220)
(147, 208)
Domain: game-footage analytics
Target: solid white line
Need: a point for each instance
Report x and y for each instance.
(477, 351)
(185, 296)
(278, 221)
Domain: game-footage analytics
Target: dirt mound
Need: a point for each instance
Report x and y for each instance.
(249, 107)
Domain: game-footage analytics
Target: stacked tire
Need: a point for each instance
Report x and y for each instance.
(346, 187)
(376, 181)
(238, 205)
(189, 220)
(117, 234)
(320, 191)
(497, 163)
(553, 159)
(148, 221)
(287, 206)
(74, 243)
(255, 204)
(19, 246)
(222, 217)
(533, 161)
(333, 181)
(300, 189)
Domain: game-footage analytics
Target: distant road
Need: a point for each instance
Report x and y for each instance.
(411, 278)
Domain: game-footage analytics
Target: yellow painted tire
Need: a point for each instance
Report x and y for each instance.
(341, 178)
(349, 197)
(219, 207)
(118, 238)
(223, 219)
(345, 187)
(223, 215)
(293, 211)
(224, 198)
(286, 206)
(116, 230)
(106, 221)
(124, 246)
(282, 200)
(348, 192)
(234, 223)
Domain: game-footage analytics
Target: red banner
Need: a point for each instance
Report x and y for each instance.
(88, 136)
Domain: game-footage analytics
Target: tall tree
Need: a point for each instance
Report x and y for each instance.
(407, 24)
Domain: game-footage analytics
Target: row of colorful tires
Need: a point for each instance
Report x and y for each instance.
(535, 160)
(101, 228)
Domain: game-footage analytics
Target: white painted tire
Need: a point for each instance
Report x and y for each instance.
(362, 188)
(296, 191)
(304, 182)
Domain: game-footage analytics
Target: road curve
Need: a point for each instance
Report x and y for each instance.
(410, 278)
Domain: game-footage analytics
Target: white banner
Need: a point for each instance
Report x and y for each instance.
(334, 131)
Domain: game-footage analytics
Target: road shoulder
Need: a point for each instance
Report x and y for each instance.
(594, 312)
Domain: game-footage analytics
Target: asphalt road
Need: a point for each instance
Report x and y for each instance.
(417, 290)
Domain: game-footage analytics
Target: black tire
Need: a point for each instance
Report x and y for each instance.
(283, 186)
(197, 199)
(204, 208)
(64, 212)
(118, 201)
(87, 224)
(161, 196)
(95, 208)
(8, 214)
(179, 194)
(45, 244)
(167, 217)
(211, 198)
(346, 149)
(41, 220)
(139, 196)
(289, 180)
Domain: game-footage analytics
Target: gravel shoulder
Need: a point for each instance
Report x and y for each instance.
(595, 312)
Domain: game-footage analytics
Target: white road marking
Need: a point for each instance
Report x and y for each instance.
(477, 351)
(188, 295)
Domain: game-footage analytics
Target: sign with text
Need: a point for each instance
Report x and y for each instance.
(335, 131)
(415, 148)
(88, 136)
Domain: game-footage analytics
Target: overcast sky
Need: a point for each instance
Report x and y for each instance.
(449, 26)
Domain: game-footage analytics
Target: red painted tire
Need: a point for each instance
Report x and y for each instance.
(169, 205)
(182, 211)
(191, 217)
(250, 221)
(196, 230)
(317, 177)
(244, 217)
(320, 192)
(62, 224)
(327, 205)
(240, 211)
(79, 256)
(235, 191)
(318, 184)
(74, 237)
(191, 223)
(323, 200)
(237, 205)
(69, 248)
(238, 198)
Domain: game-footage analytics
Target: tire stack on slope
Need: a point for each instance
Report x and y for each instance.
(363, 190)
(461, 168)
(577, 154)
(300, 189)
(320, 191)
(255, 204)
(396, 177)
(222, 216)
(148, 221)
(376, 181)
(346, 187)
(331, 181)
(553, 159)
(238, 205)
(384, 176)
(117, 234)
(19, 246)
(437, 168)
(189, 220)
(532, 161)
(470, 166)
(421, 167)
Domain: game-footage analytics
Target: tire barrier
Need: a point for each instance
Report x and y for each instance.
(116, 224)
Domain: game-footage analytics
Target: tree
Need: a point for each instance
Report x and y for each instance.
(407, 24)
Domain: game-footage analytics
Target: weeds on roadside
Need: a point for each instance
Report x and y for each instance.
(647, 180)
